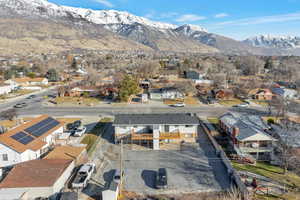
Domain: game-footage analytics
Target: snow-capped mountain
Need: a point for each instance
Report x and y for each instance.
(268, 41)
(116, 17)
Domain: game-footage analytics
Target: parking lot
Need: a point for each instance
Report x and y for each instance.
(189, 170)
(194, 168)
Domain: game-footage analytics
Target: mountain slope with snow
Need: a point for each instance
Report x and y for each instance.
(268, 41)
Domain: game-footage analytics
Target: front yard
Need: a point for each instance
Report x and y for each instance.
(231, 102)
(77, 100)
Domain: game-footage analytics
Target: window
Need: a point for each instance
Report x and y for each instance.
(4, 157)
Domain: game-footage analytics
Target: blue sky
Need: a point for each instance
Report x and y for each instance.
(234, 18)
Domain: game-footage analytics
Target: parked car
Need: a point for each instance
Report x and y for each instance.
(83, 175)
(117, 176)
(161, 179)
(70, 126)
(242, 105)
(179, 105)
(77, 124)
(20, 105)
(31, 96)
(78, 132)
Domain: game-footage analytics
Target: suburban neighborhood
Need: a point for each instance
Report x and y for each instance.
(149, 100)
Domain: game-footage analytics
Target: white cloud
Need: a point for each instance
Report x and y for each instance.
(221, 15)
(189, 18)
(262, 20)
(105, 3)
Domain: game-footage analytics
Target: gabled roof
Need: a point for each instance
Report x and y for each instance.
(150, 119)
(250, 126)
(34, 145)
(35, 173)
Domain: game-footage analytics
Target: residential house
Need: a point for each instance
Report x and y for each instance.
(7, 88)
(76, 153)
(36, 178)
(156, 128)
(194, 75)
(80, 91)
(225, 94)
(165, 93)
(249, 135)
(171, 74)
(26, 81)
(261, 94)
(29, 141)
(285, 92)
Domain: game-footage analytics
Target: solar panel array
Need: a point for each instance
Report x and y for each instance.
(22, 137)
(42, 127)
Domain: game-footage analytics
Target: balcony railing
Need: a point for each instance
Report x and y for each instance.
(256, 150)
(149, 136)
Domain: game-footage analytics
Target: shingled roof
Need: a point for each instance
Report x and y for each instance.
(150, 119)
(35, 173)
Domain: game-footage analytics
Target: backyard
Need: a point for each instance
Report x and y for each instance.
(274, 174)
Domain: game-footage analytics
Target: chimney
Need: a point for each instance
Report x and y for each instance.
(236, 131)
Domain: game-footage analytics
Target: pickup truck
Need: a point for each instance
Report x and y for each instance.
(83, 175)
(79, 132)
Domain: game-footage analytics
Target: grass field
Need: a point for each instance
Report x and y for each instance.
(91, 138)
(77, 100)
(231, 102)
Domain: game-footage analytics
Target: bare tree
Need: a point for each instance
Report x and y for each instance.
(9, 114)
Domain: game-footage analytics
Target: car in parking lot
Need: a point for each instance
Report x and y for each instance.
(161, 179)
(20, 105)
(83, 175)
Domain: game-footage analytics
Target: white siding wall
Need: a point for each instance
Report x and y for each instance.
(143, 129)
(60, 183)
(13, 156)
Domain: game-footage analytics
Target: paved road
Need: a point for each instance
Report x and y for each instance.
(34, 103)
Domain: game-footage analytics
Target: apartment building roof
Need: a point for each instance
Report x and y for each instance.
(150, 119)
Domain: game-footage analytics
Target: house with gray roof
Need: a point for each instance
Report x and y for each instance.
(248, 134)
(165, 93)
(156, 128)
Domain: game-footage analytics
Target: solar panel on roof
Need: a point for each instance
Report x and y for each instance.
(39, 125)
(19, 135)
(42, 127)
(26, 139)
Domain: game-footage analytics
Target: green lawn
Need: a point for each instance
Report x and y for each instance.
(213, 120)
(91, 138)
(273, 172)
(231, 102)
(291, 180)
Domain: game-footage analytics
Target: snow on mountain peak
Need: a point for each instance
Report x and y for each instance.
(283, 42)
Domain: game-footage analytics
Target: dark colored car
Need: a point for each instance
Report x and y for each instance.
(77, 124)
(31, 97)
(20, 105)
(70, 126)
(162, 179)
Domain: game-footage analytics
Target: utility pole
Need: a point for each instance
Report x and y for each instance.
(121, 168)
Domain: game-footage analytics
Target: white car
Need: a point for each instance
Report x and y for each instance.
(79, 132)
(179, 105)
(243, 105)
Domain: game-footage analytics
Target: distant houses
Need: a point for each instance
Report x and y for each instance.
(165, 93)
